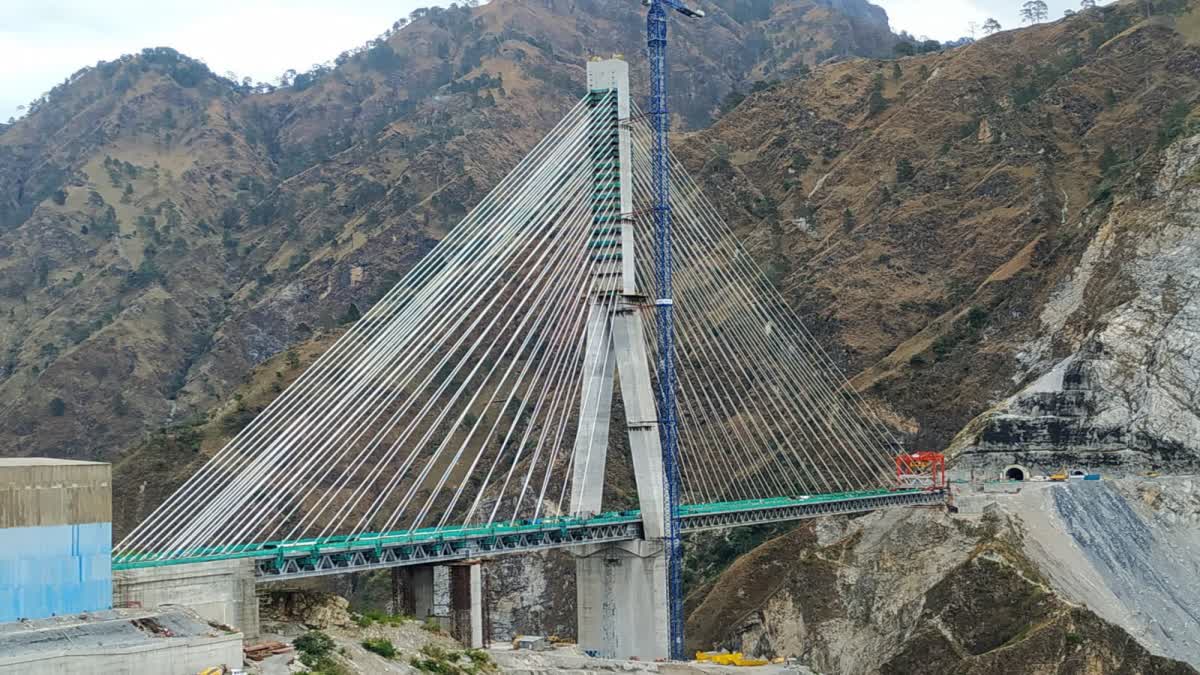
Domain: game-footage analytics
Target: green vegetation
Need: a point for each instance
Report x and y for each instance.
(800, 162)
(316, 653)
(1174, 124)
(437, 659)
(910, 47)
(380, 646)
(904, 171)
(58, 407)
(1109, 159)
(146, 274)
(186, 72)
(876, 103)
(383, 58)
(297, 261)
(372, 616)
(967, 330)
(1114, 23)
(352, 314)
(707, 554)
(848, 220)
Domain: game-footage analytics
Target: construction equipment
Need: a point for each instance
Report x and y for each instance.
(729, 659)
(656, 42)
(921, 470)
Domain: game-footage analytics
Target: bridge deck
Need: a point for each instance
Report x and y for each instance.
(338, 554)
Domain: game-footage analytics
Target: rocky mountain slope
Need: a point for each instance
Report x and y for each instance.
(955, 225)
(162, 230)
(988, 592)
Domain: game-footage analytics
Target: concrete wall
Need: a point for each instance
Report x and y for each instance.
(39, 491)
(173, 657)
(220, 591)
(622, 599)
(55, 537)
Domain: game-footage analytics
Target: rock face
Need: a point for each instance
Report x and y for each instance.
(1129, 314)
(924, 591)
(314, 609)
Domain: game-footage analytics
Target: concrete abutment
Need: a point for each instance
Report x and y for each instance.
(220, 591)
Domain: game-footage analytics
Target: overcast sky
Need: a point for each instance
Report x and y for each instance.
(44, 41)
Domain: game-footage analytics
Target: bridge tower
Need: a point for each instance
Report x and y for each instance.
(621, 587)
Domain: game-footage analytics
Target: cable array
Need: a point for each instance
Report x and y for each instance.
(455, 399)
(764, 411)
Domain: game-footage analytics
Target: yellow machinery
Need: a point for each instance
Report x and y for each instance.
(729, 659)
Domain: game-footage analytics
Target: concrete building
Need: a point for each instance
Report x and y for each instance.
(55, 537)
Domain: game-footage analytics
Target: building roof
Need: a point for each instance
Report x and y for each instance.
(40, 461)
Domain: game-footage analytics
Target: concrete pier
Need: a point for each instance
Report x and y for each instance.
(220, 591)
(466, 603)
(621, 591)
(413, 591)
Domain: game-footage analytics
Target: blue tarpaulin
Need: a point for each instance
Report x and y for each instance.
(54, 570)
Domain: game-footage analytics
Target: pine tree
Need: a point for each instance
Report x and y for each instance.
(1034, 11)
(1108, 160)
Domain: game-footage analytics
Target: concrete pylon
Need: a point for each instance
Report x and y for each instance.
(621, 589)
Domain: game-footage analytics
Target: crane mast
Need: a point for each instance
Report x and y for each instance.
(656, 42)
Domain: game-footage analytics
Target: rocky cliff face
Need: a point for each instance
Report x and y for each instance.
(979, 592)
(1126, 316)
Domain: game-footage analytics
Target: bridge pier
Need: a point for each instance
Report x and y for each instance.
(466, 603)
(621, 599)
(449, 594)
(221, 591)
(414, 590)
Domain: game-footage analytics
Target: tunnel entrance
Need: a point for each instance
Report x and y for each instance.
(1016, 473)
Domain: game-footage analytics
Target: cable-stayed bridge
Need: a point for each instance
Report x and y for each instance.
(485, 404)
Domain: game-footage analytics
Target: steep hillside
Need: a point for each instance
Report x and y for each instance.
(163, 230)
(920, 213)
(1008, 589)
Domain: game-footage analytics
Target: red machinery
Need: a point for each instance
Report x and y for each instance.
(923, 470)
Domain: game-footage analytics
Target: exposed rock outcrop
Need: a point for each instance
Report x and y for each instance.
(1125, 395)
(315, 609)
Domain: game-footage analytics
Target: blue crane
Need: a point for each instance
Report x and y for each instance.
(656, 40)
